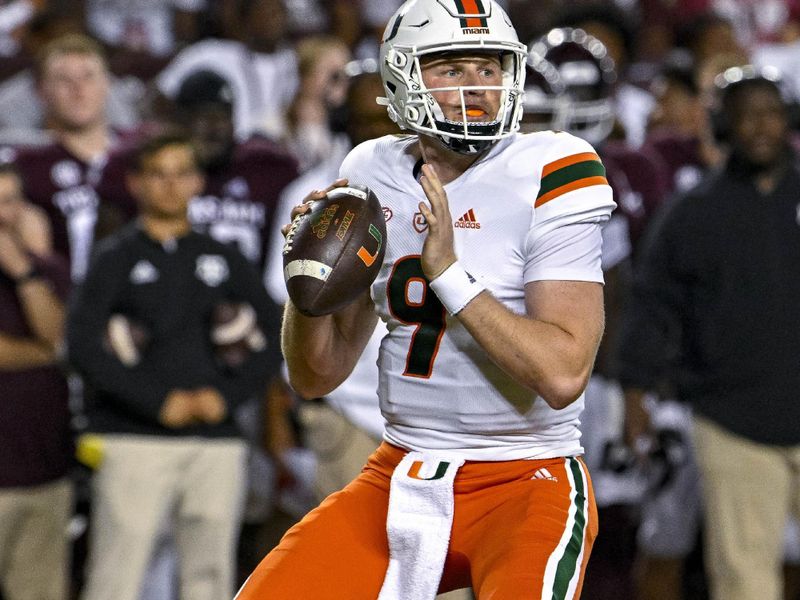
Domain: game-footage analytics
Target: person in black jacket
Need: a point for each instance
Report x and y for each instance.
(714, 311)
(164, 431)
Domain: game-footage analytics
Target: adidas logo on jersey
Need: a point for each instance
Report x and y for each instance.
(467, 221)
(544, 474)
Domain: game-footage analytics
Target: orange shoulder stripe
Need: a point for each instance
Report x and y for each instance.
(567, 161)
(569, 187)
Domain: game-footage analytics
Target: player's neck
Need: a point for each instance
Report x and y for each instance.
(89, 144)
(449, 165)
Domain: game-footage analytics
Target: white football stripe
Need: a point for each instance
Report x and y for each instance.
(309, 268)
(353, 192)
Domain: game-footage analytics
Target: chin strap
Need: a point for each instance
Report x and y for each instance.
(469, 145)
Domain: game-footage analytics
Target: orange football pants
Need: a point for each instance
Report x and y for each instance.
(521, 530)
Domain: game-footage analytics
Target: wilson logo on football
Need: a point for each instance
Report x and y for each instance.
(467, 221)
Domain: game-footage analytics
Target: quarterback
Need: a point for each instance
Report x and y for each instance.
(491, 289)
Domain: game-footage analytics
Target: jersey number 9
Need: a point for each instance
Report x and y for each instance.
(412, 302)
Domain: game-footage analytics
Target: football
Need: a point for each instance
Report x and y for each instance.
(334, 251)
(126, 339)
(235, 333)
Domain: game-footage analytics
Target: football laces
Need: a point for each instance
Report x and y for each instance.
(287, 245)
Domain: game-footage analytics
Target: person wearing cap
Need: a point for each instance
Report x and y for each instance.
(243, 180)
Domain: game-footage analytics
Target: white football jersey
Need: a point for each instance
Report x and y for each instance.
(530, 209)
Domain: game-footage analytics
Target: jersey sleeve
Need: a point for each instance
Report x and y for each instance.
(572, 203)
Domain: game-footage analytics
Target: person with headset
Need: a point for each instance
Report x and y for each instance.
(714, 311)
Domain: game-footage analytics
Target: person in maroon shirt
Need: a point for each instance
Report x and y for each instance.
(35, 440)
(243, 180)
(61, 177)
(583, 105)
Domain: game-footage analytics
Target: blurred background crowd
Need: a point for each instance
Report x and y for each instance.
(271, 95)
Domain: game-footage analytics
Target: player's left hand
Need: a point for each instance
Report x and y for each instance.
(437, 252)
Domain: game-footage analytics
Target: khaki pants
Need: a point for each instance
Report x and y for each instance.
(341, 448)
(34, 549)
(142, 481)
(749, 492)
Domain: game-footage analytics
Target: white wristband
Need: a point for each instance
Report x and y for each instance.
(455, 288)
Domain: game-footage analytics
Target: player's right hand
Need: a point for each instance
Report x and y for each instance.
(438, 251)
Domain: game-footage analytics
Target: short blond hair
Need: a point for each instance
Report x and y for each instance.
(71, 43)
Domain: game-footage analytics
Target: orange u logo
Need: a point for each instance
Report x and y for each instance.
(364, 254)
(413, 472)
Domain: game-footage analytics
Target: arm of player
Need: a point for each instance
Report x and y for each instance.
(321, 352)
(552, 348)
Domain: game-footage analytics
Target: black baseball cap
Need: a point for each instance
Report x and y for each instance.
(204, 87)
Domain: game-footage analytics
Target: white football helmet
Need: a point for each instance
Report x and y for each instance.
(584, 105)
(544, 95)
(423, 27)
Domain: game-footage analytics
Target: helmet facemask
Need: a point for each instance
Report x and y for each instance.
(424, 114)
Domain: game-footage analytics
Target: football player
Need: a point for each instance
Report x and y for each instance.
(580, 101)
(491, 289)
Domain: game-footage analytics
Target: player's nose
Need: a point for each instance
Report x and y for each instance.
(472, 78)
